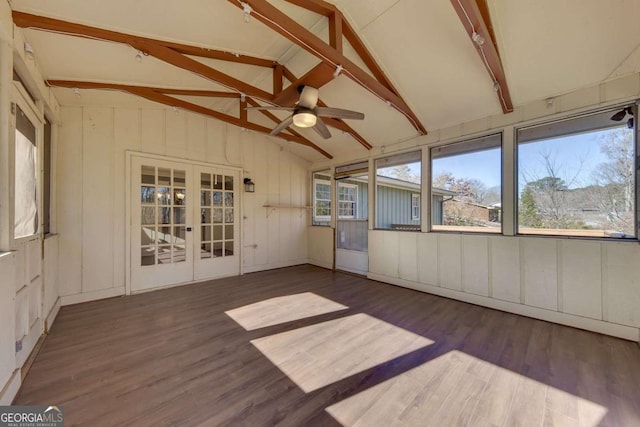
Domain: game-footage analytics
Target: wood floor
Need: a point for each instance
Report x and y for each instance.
(305, 346)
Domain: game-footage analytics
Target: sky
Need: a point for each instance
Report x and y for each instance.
(575, 157)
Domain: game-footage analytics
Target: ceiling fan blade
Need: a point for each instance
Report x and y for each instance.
(283, 124)
(322, 129)
(308, 97)
(270, 108)
(338, 113)
(619, 115)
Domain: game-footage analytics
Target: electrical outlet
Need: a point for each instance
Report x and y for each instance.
(18, 346)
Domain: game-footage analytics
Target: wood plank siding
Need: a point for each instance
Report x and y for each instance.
(307, 346)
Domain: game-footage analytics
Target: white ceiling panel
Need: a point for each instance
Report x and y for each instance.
(551, 47)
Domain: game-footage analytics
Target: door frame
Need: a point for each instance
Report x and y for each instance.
(129, 155)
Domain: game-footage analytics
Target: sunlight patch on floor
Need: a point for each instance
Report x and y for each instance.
(283, 309)
(459, 389)
(322, 354)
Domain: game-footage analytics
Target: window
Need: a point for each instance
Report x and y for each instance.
(347, 200)
(415, 207)
(576, 177)
(398, 179)
(26, 177)
(46, 184)
(321, 199)
(466, 186)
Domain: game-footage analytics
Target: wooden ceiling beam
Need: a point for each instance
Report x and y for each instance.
(343, 28)
(335, 31)
(196, 92)
(287, 27)
(152, 47)
(179, 60)
(278, 78)
(318, 6)
(156, 95)
(317, 77)
(27, 20)
(476, 26)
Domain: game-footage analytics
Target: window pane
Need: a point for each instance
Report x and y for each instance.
(228, 215)
(217, 182)
(398, 178)
(217, 198)
(148, 255)
(466, 186)
(228, 199)
(164, 215)
(205, 198)
(46, 184)
(164, 196)
(228, 248)
(206, 233)
(164, 254)
(164, 176)
(217, 232)
(228, 183)
(164, 235)
(26, 206)
(205, 250)
(321, 199)
(228, 232)
(148, 216)
(148, 195)
(577, 177)
(148, 175)
(179, 196)
(205, 180)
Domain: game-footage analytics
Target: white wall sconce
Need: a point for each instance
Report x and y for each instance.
(249, 186)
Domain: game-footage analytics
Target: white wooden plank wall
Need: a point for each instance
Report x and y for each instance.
(591, 279)
(92, 188)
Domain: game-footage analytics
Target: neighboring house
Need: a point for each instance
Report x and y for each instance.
(457, 211)
(398, 202)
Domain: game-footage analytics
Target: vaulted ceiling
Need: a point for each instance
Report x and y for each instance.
(424, 68)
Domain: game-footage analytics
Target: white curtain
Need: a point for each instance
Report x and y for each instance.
(26, 210)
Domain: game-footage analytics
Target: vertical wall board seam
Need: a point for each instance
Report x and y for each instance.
(521, 269)
(559, 268)
(604, 281)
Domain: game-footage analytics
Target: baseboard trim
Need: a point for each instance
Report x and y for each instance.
(328, 265)
(607, 328)
(51, 317)
(92, 296)
(11, 388)
(274, 265)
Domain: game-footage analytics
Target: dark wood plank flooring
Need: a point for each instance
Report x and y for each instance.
(323, 348)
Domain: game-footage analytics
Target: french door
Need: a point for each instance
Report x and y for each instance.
(184, 223)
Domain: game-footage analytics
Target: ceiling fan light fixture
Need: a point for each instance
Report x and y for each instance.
(304, 119)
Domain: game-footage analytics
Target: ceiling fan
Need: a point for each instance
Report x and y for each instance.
(620, 115)
(307, 114)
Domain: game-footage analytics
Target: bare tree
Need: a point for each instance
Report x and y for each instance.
(613, 189)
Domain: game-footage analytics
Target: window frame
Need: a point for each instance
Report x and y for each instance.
(499, 133)
(354, 202)
(414, 152)
(635, 104)
(320, 218)
(414, 206)
(22, 99)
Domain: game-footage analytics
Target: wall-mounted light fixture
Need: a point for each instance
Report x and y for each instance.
(249, 186)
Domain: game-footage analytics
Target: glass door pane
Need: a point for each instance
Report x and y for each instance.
(163, 199)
